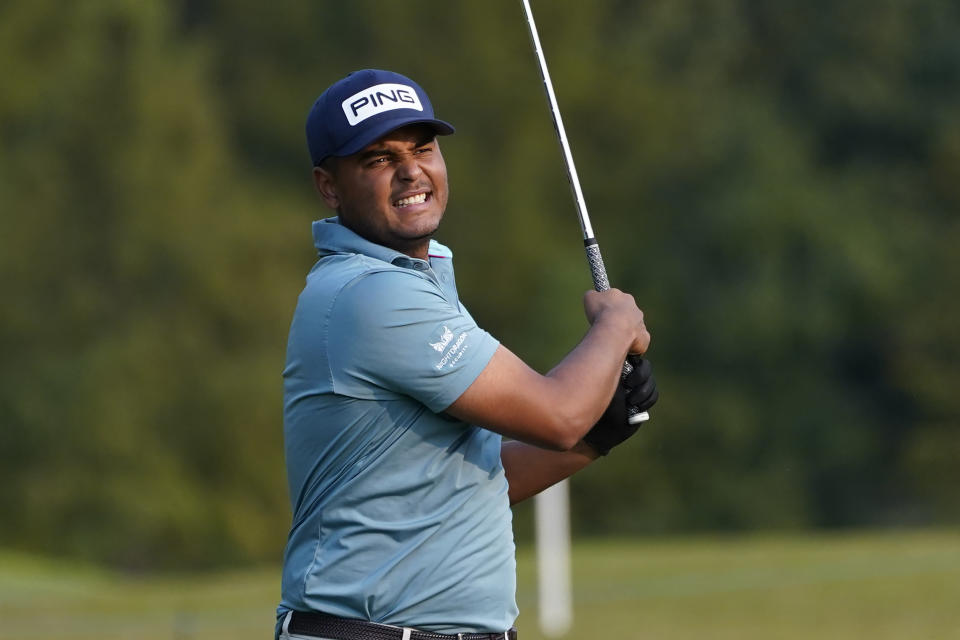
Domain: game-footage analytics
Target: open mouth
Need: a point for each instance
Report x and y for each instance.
(419, 198)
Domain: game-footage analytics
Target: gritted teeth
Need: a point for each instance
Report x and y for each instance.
(417, 199)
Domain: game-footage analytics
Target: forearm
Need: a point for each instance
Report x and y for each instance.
(585, 379)
(554, 411)
(530, 469)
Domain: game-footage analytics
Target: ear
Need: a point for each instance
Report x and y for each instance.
(325, 184)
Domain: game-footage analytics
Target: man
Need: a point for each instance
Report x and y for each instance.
(396, 401)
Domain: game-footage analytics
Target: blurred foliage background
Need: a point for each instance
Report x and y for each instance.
(778, 184)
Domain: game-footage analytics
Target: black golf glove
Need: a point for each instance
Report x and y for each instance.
(639, 390)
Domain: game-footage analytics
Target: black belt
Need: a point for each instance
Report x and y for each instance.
(324, 625)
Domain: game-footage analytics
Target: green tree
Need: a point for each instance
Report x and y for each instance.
(775, 182)
(143, 347)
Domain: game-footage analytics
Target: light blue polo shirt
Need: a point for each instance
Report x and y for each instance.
(400, 512)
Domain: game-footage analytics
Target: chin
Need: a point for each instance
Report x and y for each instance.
(423, 229)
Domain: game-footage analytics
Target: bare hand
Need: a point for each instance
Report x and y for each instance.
(615, 306)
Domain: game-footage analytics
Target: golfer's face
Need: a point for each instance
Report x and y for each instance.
(394, 191)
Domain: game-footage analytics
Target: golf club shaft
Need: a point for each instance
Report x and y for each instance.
(597, 269)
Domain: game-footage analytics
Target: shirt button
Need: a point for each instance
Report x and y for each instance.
(444, 277)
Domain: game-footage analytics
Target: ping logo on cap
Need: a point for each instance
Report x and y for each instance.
(377, 99)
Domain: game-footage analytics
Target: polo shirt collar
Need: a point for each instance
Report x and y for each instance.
(329, 236)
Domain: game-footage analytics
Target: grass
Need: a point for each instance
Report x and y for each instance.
(866, 585)
(870, 586)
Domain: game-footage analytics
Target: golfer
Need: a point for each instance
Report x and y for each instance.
(396, 404)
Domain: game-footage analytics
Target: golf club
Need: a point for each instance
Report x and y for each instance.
(597, 269)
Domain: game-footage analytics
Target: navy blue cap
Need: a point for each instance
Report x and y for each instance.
(362, 108)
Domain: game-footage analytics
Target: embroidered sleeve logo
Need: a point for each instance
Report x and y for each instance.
(444, 340)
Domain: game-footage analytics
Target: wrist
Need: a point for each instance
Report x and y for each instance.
(587, 450)
(616, 324)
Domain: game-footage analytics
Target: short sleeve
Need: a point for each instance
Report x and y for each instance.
(392, 332)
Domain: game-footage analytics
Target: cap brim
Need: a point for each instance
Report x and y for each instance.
(383, 128)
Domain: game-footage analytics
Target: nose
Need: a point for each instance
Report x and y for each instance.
(408, 168)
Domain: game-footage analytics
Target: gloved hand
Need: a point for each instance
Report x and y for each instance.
(638, 389)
